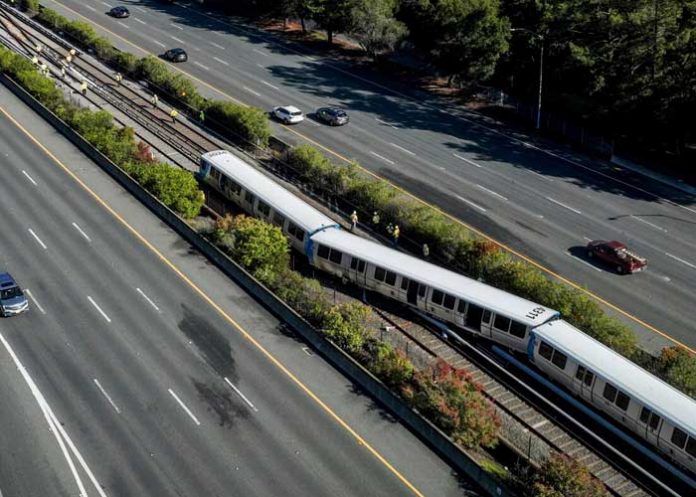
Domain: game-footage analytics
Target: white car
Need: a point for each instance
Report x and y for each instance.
(288, 114)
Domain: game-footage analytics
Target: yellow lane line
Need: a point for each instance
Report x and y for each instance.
(419, 200)
(219, 309)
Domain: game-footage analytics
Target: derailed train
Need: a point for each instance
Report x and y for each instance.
(656, 412)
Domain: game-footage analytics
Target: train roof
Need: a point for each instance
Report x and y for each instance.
(434, 276)
(625, 375)
(291, 206)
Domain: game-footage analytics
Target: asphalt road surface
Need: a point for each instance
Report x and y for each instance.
(148, 389)
(545, 202)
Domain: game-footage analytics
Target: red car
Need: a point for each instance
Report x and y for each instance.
(617, 255)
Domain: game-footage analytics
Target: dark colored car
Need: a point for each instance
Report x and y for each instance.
(176, 55)
(12, 299)
(332, 116)
(616, 255)
(119, 12)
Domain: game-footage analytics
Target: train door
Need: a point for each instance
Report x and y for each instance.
(357, 271)
(412, 294)
(473, 317)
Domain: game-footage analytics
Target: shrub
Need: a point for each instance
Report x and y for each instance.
(313, 167)
(40, 87)
(388, 364)
(246, 125)
(254, 243)
(678, 367)
(52, 19)
(305, 295)
(30, 5)
(176, 188)
(125, 62)
(344, 325)
(453, 401)
(560, 476)
(81, 32)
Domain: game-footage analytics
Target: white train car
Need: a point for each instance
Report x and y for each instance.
(464, 302)
(261, 197)
(649, 407)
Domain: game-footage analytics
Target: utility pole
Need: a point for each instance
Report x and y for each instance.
(540, 39)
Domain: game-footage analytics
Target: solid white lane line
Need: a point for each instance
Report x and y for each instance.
(37, 238)
(36, 302)
(239, 392)
(491, 192)
(472, 204)
(45, 409)
(649, 224)
(29, 177)
(81, 232)
(383, 158)
(96, 382)
(91, 8)
(386, 123)
(467, 160)
(140, 21)
(195, 62)
(251, 91)
(216, 45)
(223, 62)
(563, 205)
(108, 319)
(269, 85)
(148, 299)
(307, 351)
(176, 26)
(401, 148)
(584, 262)
(176, 39)
(183, 406)
(259, 52)
(159, 43)
(680, 260)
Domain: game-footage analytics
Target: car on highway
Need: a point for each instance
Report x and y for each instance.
(12, 299)
(332, 115)
(175, 55)
(120, 12)
(617, 255)
(288, 114)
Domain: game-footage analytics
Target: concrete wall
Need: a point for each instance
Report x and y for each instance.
(425, 430)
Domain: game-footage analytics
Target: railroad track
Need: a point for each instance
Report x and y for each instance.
(191, 143)
(174, 132)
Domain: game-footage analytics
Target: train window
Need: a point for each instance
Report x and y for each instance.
(421, 290)
(437, 297)
(691, 447)
(380, 273)
(622, 400)
(559, 359)
(404, 283)
(585, 375)
(486, 317)
(215, 174)
(323, 251)
(264, 208)
(335, 256)
(610, 392)
(461, 307)
(233, 186)
(649, 418)
(390, 279)
(545, 350)
(249, 197)
(354, 263)
(502, 323)
(678, 437)
(361, 266)
(357, 264)
(449, 302)
(654, 421)
(518, 329)
(296, 231)
(278, 219)
(645, 415)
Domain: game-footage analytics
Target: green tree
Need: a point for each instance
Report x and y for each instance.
(254, 243)
(344, 324)
(560, 476)
(374, 26)
(174, 187)
(331, 15)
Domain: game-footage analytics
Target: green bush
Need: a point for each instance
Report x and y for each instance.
(313, 167)
(388, 364)
(677, 366)
(125, 62)
(81, 32)
(560, 476)
(177, 86)
(174, 187)
(52, 19)
(245, 125)
(254, 243)
(344, 325)
(453, 401)
(30, 5)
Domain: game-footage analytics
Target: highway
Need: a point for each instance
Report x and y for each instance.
(541, 200)
(158, 375)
